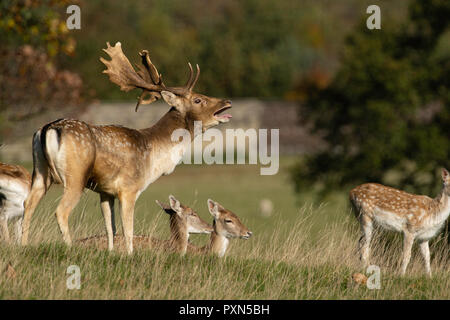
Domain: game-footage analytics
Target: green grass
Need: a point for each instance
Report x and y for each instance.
(301, 251)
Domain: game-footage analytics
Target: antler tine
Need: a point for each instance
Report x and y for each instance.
(196, 78)
(153, 97)
(191, 76)
(151, 69)
(149, 72)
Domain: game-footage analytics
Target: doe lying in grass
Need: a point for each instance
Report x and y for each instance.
(183, 221)
(15, 182)
(416, 216)
(226, 226)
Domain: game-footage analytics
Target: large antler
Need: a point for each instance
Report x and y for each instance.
(122, 73)
(147, 78)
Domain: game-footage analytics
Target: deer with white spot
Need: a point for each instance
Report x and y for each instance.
(418, 217)
(227, 225)
(115, 161)
(15, 182)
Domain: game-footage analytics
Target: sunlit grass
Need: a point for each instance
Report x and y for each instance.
(301, 251)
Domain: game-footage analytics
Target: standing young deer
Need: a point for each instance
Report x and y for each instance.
(15, 182)
(183, 222)
(116, 161)
(226, 226)
(417, 217)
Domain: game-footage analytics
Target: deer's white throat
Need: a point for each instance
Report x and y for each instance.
(219, 244)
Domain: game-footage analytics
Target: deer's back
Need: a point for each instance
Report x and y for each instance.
(373, 197)
(15, 172)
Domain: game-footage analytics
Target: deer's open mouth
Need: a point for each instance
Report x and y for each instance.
(223, 117)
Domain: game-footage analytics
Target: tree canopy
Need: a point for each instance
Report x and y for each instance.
(386, 113)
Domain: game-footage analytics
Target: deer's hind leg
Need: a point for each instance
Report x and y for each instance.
(68, 202)
(408, 241)
(72, 161)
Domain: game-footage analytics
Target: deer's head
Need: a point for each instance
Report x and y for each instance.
(182, 216)
(226, 223)
(191, 105)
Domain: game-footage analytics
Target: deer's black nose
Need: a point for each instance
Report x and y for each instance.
(227, 102)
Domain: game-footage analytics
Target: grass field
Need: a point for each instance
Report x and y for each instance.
(301, 251)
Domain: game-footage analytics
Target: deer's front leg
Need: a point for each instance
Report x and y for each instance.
(127, 202)
(107, 205)
(366, 238)
(408, 241)
(425, 249)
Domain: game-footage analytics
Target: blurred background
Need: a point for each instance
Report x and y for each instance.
(353, 105)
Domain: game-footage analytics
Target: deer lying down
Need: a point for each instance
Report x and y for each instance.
(183, 222)
(15, 182)
(226, 226)
(417, 217)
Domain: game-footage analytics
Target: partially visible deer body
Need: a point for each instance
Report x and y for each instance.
(183, 222)
(15, 182)
(416, 216)
(114, 161)
(226, 226)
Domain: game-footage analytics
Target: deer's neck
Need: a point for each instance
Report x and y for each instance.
(161, 132)
(440, 207)
(163, 154)
(218, 244)
(179, 236)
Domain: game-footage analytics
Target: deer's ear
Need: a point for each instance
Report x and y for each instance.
(175, 204)
(445, 176)
(213, 208)
(172, 99)
(167, 209)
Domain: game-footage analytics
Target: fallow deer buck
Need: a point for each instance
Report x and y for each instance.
(15, 182)
(416, 216)
(183, 222)
(227, 225)
(116, 161)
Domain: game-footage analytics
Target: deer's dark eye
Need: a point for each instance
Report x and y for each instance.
(197, 100)
(228, 221)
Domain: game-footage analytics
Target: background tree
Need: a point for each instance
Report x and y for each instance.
(34, 35)
(386, 113)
